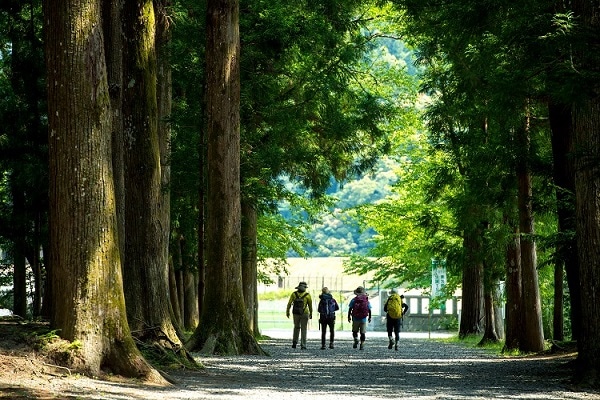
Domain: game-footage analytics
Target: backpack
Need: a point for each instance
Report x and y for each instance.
(298, 305)
(394, 306)
(361, 306)
(328, 307)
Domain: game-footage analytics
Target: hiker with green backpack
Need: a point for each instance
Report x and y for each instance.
(396, 308)
(301, 304)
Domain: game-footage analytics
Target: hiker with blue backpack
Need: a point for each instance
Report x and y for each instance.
(301, 304)
(359, 313)
(395, 308)
(327, 308)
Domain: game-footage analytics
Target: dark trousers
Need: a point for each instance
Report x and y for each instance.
(393, 325)
(324, 324)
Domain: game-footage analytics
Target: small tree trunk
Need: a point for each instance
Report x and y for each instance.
(190, 316)
(249, 263)
(472, 284)
(174, 295)
(489, 288)
(514, 295)
(533, 338)
(558, 320)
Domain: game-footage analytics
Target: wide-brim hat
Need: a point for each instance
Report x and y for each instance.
(303, 284)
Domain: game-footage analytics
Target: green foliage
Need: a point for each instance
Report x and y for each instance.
(39, 340)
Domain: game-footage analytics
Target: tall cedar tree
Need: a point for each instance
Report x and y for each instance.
(89, 304)
(586, 125)
(145, 269)
(224, 327)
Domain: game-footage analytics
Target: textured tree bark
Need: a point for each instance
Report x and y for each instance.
(89, 304)
(514, 292)
(146, 268)
(174, 294)
(489, 296)
(563, 155)
(472, 284)
(533, 335)
(224, 327)
(190, 316)
(249, 263)
(113, 45)
(586, 117)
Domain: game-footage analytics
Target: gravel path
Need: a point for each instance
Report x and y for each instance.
(422, 369)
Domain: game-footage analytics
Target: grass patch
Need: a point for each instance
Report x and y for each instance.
(474, 341)
(281, 294)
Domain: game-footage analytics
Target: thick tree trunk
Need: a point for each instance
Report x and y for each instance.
(514, 294)
(146, 268)
(89, 304)
(249, 263)
(533, 332)
(472, 284)
(564, 177)
(113, 44)
(586, 117)
(224, 327)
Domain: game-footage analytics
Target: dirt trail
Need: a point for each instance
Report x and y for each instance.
(422, 368)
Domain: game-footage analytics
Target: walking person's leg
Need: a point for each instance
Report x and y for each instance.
(389, 324)
(331, 324)
(296, 330)
(363, 334)
(355, 329)
(303, 329)
(323, 324)
(397, 332)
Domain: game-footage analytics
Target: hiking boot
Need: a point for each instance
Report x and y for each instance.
(355, 345)
(323, 347)
(396, 345)
(331, 345)
(293, 345)
(391, 344)
(362, 346)
(303, 348)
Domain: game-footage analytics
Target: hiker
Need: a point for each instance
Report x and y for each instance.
(359, 313)
(327, 308)
(301, 304)
(395, 307)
